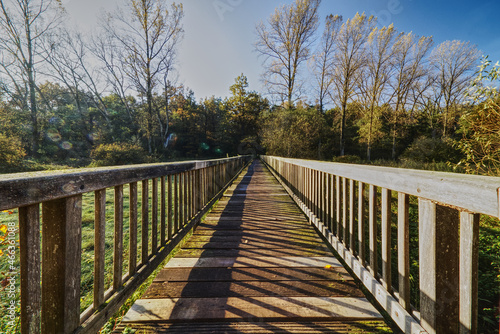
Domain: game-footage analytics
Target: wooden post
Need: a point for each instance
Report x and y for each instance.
(469, 250)
(145, 222)
(404, 250)
(176, 203)
(99, 247)
(118, 242)
(386, 239)
(361, 223)
(372, 221)
(169, 207)
(163, 211)
(352, 191)
(132, 266)
(345, 226)
(337, 200)
(154, 217)
(61, 258)
(438, 255)
(31, 293)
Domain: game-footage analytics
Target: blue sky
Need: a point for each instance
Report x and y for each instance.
(219, 34)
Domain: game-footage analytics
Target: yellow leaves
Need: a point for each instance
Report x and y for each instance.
(3, 228)
(328, 266)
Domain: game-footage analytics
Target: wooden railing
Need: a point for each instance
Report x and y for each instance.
(353, 207)
(53, 257)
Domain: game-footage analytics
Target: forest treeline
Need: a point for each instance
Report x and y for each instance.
(353, 91)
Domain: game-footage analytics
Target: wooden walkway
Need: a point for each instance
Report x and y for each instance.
(254, 265)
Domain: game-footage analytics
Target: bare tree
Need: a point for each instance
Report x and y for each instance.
(409, 59)
(349, 60)
(378, 71)
(148, 38)
(23, 23)
(454, 63)
(285, 43)
(324, 57)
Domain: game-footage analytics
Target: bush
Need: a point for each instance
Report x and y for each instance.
(11, 152)
(118, 154)
(424, 149)
(348, 159)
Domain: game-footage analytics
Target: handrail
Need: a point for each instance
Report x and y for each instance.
(187, 191)
(351, 206)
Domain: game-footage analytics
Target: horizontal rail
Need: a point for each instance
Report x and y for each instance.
(353, 207)
(172, 198)
(452, 189)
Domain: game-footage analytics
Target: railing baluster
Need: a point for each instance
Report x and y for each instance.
(386, 239)
(344, 212)
(332, 204)
(132, 264)
(163, 211)
(361, 223)
(61, 256)
(352, 192)
(118, 239)
(186, 203)
(170, 227)
(99, 248)
(372, 221)
(176, 203)
(337, 199)
(438, 249)
(154, 217)
(145, 222)
(404, 250)
(31, 293)
(469, 248)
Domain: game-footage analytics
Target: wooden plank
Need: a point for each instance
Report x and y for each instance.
(361, 223)
(31, 293)
(338, 202)
(251, 252)
(450, 188)
(176, 223)
(226, 274)
(61, 258)
(163, 211)
(352, 192)
(386, 239)
(145, 222)
(132, 267)
(404, 250)
(210, 289)
(45, 186)
(179, 309)
(438, 254)
(286, 261)
(170, 227)
(118, 239)
(372, 216)
(469, 250)
(154, 216)
(345, 226)
(100, 244)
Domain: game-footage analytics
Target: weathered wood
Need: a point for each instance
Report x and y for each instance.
(163, 211)
(132, 267)
(404, 250)
(29, 238)
(372, 221)
(186, 197)
(118, 239)
(386, 239)
(100, 244)
(361, 223)
(170, 209)
(61, 256)
(469, 250)
(352, 191)
(345, 226)
(17, 190)
(438, 249)
(176, 203)
(338, 201)
(450, 188)
(293, 308)
(145, 222)
(154, 216)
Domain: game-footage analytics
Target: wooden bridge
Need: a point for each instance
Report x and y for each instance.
(256, 263)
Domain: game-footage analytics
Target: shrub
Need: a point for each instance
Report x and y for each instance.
(424, 149)
(118, 154)
(11, 152)
(348, 159)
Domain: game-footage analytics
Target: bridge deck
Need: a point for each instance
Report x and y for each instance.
(254, 265)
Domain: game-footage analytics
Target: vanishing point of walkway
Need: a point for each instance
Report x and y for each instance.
(254, 265)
